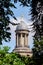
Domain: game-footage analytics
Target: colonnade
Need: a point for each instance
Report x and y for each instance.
(21, 40)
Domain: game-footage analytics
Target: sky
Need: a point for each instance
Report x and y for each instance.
(25, 11)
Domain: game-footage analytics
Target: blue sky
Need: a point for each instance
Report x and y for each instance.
(22, 10)
(25, 11)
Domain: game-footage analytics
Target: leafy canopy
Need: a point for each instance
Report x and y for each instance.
(12, 58)
(5, 13)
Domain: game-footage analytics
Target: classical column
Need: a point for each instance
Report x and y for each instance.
(25, 40)
(21, 40)
(17, 40)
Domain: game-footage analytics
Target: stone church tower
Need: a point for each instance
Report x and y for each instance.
(22, 33)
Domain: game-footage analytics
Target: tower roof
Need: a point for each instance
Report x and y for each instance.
(22, 26)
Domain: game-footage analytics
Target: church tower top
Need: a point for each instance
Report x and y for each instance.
(22, 33)
(22, 25)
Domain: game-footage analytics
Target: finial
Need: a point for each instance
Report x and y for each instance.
(22, 17)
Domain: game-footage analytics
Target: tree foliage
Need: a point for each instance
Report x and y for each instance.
(9, 58)
(13, 58)
(38, 52)
(37, 16)
(23, 2)
(5, 13)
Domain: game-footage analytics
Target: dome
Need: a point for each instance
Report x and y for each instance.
(22, 26)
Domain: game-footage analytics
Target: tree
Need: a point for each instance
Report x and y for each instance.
(25, 59)
(37, 16)
(5, 13)
(23, 2)
(9, 58)
(38, 52)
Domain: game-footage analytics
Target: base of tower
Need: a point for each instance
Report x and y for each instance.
(23, 51)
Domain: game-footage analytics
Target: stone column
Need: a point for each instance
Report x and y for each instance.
(21, 40)
(17, 40)
(25, 40)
